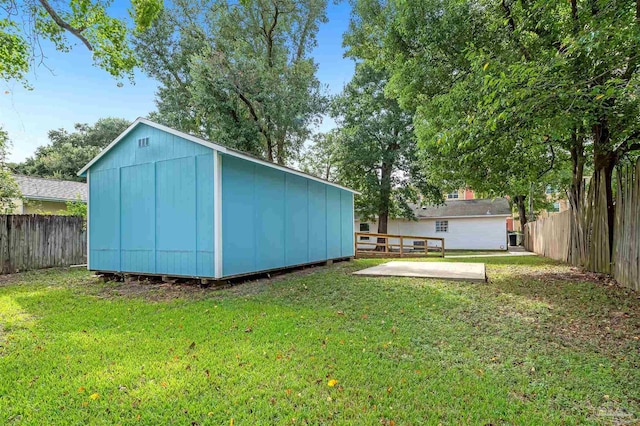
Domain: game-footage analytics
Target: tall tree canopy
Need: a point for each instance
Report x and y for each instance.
(24, 24)
(374, 150)
(238, 72)
(553, 79)
(69, 152)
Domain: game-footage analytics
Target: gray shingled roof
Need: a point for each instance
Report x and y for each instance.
(36, 188)
(477, 207)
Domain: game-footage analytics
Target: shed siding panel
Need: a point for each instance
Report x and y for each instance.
(334, 223)
(238, 216)
(269, 217)
(205, 207)
(297, 221)
(105, 218)
(346, 228)
(137, 213)
(317, 221)
(272, 219)
(176, 216)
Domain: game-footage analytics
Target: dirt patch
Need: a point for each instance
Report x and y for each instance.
(572, 274)
(606, 315)
(154, 289)
(7, 279)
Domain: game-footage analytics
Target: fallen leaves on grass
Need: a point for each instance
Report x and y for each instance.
(94, 396)
(331, 383)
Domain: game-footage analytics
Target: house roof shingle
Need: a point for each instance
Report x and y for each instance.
(37, 188)
(454, 208)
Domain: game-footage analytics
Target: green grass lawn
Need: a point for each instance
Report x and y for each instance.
(539, 344)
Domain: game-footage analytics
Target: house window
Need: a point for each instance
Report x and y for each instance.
(364, 227)
(442, 226)
(143, 142)
(556, 207)
(453, 196)
(549, 190)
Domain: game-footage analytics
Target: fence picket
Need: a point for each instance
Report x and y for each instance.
(41, 241)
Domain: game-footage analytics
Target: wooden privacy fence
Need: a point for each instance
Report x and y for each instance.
(388, 245)
(580, 236)
(626, 236)
(549, 237)
(41, 241)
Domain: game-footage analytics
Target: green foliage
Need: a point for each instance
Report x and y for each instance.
(9, 190)
(406, 350)
(321, 157)
(69, 152)
(509, 94)
(76, 208)
(238, 73)
(27, 24)
(374, 149)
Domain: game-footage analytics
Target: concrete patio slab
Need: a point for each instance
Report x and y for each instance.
(474, 272)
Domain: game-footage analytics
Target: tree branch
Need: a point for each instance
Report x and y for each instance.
(62, 24)
(553, 161)
(625, 147)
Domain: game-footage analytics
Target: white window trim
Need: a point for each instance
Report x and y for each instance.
(440, 222)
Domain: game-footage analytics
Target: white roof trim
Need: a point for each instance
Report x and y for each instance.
(200, 141)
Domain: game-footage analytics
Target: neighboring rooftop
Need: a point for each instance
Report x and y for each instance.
(476, 207)
(37, 188)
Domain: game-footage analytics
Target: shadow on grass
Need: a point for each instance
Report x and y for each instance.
(402, 349)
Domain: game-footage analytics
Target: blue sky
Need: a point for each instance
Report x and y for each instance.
(72, 91)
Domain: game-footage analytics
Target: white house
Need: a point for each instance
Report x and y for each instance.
(479, 224)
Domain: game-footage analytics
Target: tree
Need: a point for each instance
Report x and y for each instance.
(27, 23)
(69, 152)
(9, 190)
(375, 147)
(238, 73)
(562, 74)
(321, 156)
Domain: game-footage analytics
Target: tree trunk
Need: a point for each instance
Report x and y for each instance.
(577, 237)
(384, 202)
(604, 161)
(522, 210)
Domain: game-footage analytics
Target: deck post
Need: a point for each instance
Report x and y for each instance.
(401, 247)
(442, 242)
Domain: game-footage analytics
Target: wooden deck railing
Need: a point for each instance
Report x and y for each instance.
(389, 245)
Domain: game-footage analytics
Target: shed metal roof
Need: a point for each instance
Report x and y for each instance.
(220, 148)
(37, 188)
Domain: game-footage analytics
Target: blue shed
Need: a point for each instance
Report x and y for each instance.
(168, 203)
